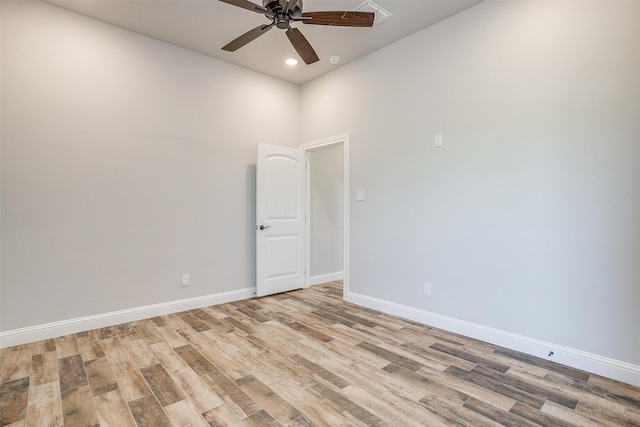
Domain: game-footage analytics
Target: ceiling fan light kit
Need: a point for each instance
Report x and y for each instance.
(283, 12)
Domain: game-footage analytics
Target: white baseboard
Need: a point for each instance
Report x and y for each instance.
(72, 326)
(600, 365)
(324, 278)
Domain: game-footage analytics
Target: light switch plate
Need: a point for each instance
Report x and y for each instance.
(437, 140)
(360, 195)
(427, 289)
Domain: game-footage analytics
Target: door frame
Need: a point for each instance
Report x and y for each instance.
(344, 140)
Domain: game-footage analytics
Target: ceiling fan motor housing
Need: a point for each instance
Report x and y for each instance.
(276, 6)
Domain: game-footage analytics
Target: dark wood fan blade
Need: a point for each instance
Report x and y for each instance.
(246, 38)
(246, 4)
(302, 46)
(340, 19)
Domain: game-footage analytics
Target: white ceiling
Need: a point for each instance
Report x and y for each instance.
(205, 26)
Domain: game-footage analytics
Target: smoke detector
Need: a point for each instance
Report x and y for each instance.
(380, 14)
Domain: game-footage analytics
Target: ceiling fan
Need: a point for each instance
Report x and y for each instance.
(283, 12)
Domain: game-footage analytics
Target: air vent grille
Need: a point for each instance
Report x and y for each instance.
(380, 13)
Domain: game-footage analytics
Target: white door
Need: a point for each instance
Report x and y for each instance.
(280, 219)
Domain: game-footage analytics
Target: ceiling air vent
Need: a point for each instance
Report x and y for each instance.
(380, 13)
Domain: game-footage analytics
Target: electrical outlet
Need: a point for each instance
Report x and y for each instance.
(427, 289)
(185, 280)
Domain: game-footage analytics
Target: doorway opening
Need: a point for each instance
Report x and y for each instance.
(327, 207)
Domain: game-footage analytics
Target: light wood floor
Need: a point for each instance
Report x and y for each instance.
(303, 358)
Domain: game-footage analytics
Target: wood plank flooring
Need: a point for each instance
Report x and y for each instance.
(303, 358)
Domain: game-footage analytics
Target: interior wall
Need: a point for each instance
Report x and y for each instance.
(527, 219)
(126, 163)
(327, 210)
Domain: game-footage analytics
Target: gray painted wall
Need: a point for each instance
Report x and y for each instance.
(124, 166)
(126, 163)
(528, 218)
(327, 210)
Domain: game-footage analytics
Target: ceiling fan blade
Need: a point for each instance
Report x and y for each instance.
(340, 19)
(246, 38)
(246, 4)
(302, 46)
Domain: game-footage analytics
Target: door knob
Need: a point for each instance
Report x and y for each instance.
(264, 227)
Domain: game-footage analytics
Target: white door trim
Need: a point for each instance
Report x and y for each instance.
(308, 147)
